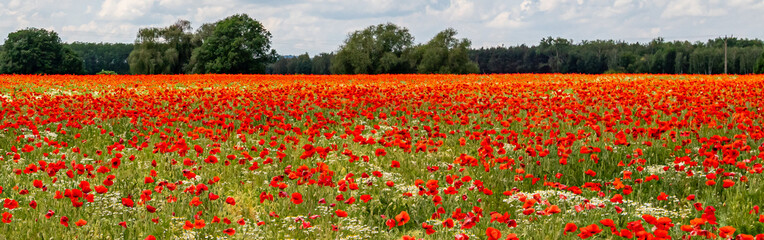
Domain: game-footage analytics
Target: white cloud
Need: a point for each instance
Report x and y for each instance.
(58, 14)
(548, 5)
(14, 4)
(459, 10)
(526, 5)
(621, 3)
(173, 3)
(209, 12)
(690, 8)
(110, 32)
(505, 20)
(124, 9)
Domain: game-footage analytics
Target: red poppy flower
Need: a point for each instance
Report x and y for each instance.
(380, 152)
(402, 218)
(626, 233)
(64, 221)
(212, 196)
(127, 202)
(195, 202)
(726, 231)
(7, 217)
(462, 236)
(662, 196)
(49, 214)
(188, 225)
(390, 223)
(448, 223)
(617, 199)
(80, 223)
(296, 198)
(493, 233)
(589, 231)
(37, 183)
(341, 213)
(10, 203)
(428, 229)
(199, 223)
(552, 210)
(607, 223)
(728, 183)
(395, 164)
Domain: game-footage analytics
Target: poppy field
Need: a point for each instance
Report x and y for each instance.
(521, 156)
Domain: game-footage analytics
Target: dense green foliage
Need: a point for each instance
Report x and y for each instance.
(106, 72)
(103, 56)
(162, 50)
(760, 64)
(593, 57)
(443, 54)
(238, 44)
(385, 48)
(374, 50)
(38, 51)
(559, 55)
(302, 64)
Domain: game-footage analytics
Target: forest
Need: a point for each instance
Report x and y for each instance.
(559, 55)
(241, 44)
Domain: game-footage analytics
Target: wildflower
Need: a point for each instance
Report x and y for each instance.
(296, 198)
(402, 218)
(64, 221)
(569, 227)
(7, 217)
(80, 223)
(341, 213)
(493, 233)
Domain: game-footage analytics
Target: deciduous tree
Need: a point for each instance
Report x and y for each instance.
(238, 44)
(162, 50)
(374, 50)
(38, 51)
(444, 54)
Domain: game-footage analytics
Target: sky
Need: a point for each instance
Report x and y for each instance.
(316, 26)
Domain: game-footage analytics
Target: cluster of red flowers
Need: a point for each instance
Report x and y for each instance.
(537, 132)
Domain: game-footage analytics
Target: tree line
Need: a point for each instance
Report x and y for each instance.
(744, 56)
(240, 44)
(385, 48)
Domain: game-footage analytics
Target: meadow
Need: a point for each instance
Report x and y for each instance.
(519, 156)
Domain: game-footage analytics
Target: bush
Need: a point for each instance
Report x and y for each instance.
(106, 72)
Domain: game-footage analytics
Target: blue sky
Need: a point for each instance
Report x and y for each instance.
(321, 25)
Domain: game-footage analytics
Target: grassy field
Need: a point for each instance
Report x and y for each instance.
(381, 157)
